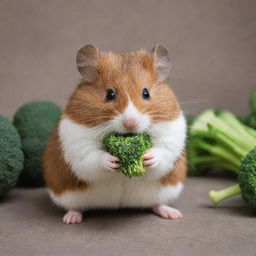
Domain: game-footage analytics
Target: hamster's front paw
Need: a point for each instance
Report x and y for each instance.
(110, 163)
(151, 158)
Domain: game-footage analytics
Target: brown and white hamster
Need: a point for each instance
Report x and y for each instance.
(125, 94)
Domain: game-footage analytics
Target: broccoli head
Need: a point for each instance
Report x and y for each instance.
(217, 139)
(129, 148)
(246, 183)
(34, 122)
(11, 156)
(247, 179)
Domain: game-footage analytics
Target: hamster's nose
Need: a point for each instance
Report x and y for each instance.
(130, 123)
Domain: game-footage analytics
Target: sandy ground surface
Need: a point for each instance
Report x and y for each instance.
(31, 225)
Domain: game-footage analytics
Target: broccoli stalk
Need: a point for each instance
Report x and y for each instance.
(246, 183)
(220, 195)
(219, 139)
(129, 149)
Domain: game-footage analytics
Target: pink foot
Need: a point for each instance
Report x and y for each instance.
(167, 212)
(72, 217)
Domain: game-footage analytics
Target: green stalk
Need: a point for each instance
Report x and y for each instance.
(220, 195)
(240, 149)
(219, 137)
(229, 118)
(218, 151)
(204, 159)
(251, 131)
(241, 140)
(227, 166)
(231, 129)
(210, 161)
(219, 124)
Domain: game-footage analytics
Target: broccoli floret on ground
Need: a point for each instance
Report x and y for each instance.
(129, 149)
(246, 183)
(34, 122)
(11, 156)
(219, 139)
(247, 179)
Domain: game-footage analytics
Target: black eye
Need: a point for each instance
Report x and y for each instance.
(145, 94)
(111, 95)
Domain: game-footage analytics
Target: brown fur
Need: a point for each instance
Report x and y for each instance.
(128, 74)
(57, 173)
(178, 174)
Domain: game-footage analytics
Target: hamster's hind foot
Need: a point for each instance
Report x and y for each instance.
(72, 217)
(166, 212)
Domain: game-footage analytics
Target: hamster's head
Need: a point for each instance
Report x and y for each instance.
(123, 93)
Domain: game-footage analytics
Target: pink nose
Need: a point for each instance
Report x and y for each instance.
(130, 123)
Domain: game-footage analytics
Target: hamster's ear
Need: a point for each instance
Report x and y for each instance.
(161, 61)
(87, 60)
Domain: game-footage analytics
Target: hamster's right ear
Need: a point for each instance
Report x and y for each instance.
(87, 60)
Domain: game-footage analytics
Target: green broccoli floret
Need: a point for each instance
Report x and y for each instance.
(11, 156)
(246, 183)
(129, 149)
(247, 179)
(217, 139)
(34, 122)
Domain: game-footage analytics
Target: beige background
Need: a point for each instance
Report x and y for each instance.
(212, 43)
(213, 46)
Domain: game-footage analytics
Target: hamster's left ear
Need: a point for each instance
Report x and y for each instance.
(162, 63)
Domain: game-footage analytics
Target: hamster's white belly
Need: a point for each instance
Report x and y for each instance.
(119, 192)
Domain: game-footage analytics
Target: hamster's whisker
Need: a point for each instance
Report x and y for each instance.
(101, 130)
(187, 113)
(195, 101)
(156, 114)
(98, 118)
(150, 108)
(160, 104)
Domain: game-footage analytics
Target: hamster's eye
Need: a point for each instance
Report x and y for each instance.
(111, 95)
(145, 94)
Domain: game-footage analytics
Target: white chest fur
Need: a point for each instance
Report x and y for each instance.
(82, 147)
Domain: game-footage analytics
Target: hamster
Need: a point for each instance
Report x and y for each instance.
(125, 94)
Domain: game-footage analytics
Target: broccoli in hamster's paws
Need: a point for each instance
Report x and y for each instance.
(129, 149)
